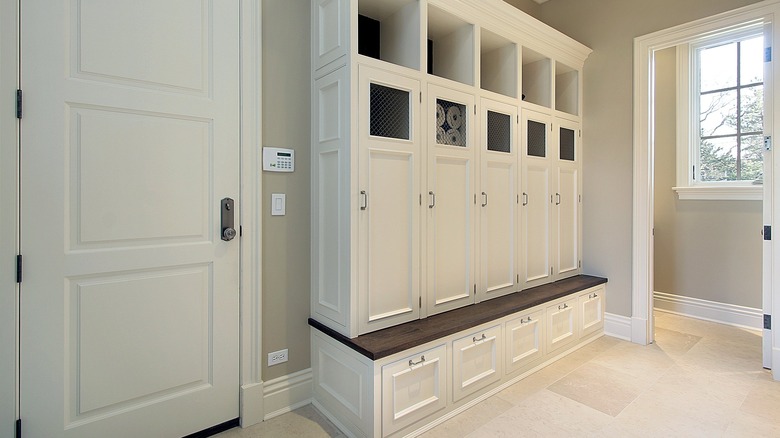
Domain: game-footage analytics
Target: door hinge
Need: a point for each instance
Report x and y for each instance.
(475, 109)
(518, 278)
(693, 173)
(18, 428)
(767, 322)
(768, 143)
(19, 268)
(420, 300)
(240, 231)
(18, 104)
(768, 54)
(767, 232)
(420, 96)
(579, 263)
(475, 289)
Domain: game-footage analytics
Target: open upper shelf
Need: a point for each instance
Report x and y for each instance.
(450, 46)
(390, 30)
(537, 78)
(567, 81)
(498, 64)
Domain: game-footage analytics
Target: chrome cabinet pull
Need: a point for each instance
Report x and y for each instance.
(557, 199)
(363, 200)
(433, 199)
(564, 306)
(485, 196)
(413, 364)
(475, 340)
(525, 198)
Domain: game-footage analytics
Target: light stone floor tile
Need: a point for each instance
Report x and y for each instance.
(598, 387)
(545, 414)
(305, 422)
(470, 420)
(699, 379)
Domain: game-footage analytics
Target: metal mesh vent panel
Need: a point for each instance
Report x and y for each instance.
(499, 132)
(567, 144)
(389, 112)
(450, 123)
(537, 139)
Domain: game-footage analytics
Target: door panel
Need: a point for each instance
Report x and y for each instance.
(451, 218)
(498, 187)
(130, 140)
(567, 221)
(388, 207)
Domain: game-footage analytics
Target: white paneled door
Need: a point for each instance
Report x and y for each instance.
(129, 302)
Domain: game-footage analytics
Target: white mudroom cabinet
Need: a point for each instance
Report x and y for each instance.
(446, 158)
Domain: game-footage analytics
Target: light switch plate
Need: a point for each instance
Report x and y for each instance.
(278, 201)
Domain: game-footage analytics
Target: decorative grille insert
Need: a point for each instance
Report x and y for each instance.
(450, 123)
(537, 139)
(567, 144)
(499, 132)
(390, 112)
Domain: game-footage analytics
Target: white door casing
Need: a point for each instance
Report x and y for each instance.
(130, 139)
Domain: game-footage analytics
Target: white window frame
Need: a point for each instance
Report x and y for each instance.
(688, 128)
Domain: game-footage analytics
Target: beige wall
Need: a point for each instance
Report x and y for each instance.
(530, 7)
(703, 249)
(609, 28)
(286, 115)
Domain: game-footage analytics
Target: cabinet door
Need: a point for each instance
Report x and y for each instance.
(413, 388)
(524, 341)
(451, 200)
(476, 362)
(387, 203)
(561, 324)
(535, 200)
(497, 199)
(591, 309)
(568, 199)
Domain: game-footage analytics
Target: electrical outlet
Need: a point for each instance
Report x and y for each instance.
(277, 357)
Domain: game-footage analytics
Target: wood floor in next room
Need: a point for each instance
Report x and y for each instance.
(700, 379)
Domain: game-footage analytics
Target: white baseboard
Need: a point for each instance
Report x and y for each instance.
(617, 326)
(287, 393)
(251, 402)
(723, 313)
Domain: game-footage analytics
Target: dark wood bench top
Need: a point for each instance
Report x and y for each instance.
(383, 343)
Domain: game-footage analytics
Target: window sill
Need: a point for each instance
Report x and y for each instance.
(721, 193)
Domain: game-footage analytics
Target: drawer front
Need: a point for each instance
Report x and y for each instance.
(591, 305)
(413, 388)
(476, 361)
(524, 340)
(561, 324)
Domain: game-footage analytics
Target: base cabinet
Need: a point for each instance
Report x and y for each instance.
(406, 392)
(413, 388)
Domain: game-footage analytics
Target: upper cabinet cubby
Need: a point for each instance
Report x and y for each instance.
(498, 64)
(390, 30)
(450, 46)
(567, 81)
(537, 78)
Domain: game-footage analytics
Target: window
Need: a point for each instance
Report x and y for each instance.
(720, 138)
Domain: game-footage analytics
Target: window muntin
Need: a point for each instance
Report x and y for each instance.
(729, 101)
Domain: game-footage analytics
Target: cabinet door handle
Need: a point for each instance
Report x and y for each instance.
(564, 306)
(526, 321)
(413, 364)
(485, 196)
(525, 198)
(433, 199)
(363, 200)
(475, 339)
(557, 199)
(592, 296)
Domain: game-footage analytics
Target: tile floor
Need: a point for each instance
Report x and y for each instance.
(699, 379)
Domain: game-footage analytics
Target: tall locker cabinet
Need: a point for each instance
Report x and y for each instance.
(445, 161)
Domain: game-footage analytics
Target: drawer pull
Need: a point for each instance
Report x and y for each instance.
(564, 306)
(412, 364)
(525, 321)
(592, 296)
(475, 340)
